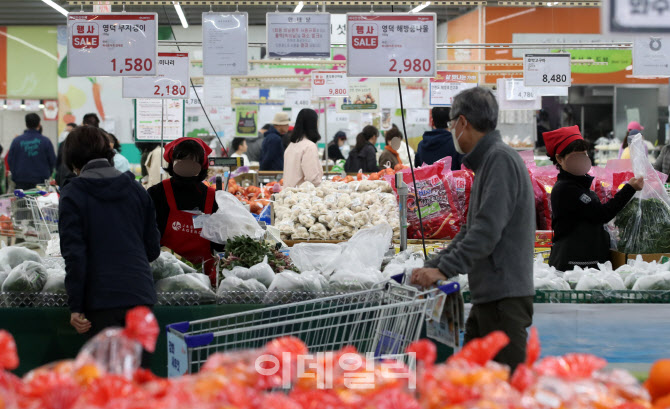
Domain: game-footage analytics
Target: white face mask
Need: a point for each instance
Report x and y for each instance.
(456, 145)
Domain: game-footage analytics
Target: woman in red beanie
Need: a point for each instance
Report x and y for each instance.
(578, 217)
(182, 197)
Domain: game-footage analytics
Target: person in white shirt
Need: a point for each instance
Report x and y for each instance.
(239, 147)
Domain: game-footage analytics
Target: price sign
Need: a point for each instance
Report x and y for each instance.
(447, 84)
(547, 70)
(298, 35)
(391, 45)
(298, 98)
(32, 105)
(148, 117)
(224, 43)
(329, 84)
(13, 104)
(651, 56)
(111, 44)
(218, 91)
(635, 16)
(177, 355)
(171, 80)
(517, 91)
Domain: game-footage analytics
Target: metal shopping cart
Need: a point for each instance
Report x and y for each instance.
(383, 320)
(32, 216)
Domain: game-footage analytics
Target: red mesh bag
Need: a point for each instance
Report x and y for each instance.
(141, 326)
(425, 351)
(571, 366)
(9, 358)
(481, 350)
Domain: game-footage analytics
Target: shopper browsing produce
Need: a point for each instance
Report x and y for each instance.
(624, 151)
(335, 146)
(31, 157)
(390, 158)
(108, 236)
(495, 246)
(255, 145)
(239, 146)
(578, 217)
(301, 159)
(272, 151)
(364, 155)
(181, 198)
(438, 143)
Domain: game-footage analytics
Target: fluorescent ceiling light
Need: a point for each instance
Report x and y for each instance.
(180, 13)
(420, 7)
(56, 6)
(298, 7)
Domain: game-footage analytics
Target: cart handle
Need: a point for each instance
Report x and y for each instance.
(21, 194)
(445, 286)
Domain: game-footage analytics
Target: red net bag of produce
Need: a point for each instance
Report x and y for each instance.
(141, 325)
(545, 179)
(481, 350)
(459, 185)
(524, 376)
(9, 358)
(571, 366)
(425, 351)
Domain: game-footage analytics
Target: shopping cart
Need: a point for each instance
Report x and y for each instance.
(34, 216)
(383, 320)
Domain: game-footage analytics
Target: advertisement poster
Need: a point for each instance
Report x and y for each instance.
(363, 97)
(246, 120)
(148, 119)
(447, 84)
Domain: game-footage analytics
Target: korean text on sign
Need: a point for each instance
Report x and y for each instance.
(112, 44)
(302, 35)
(447, 84)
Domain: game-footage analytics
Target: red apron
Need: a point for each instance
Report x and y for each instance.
(183, 238)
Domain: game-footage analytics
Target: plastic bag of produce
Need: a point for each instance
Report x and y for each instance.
(460, 184)
(319, 257)
(186, 283)
(3, 277)
(166, 265)
(654, 282)
(365, 249)
(261, 272)
(350, 280)
(553, 283)
(27, 277)
(12, 256)
(231, 220)
(290, 282)
(545, 179)
(600, 282)
(55, 283)
(203, 278)
(644, 224)
(237, 284)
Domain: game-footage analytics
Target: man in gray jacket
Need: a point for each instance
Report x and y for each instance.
(495, 246)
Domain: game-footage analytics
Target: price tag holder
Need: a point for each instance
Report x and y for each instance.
(329, 84)
(547, 70)
(172, 79)
(517, 91)
(112, 44)
(224, 43)
(447, 84)
(391, 45)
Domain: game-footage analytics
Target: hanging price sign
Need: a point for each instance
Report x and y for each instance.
(516, 91)
(297, 98)
(447, 84)
(298, 35)
(391, 45)
(635, 16)
(172, 79)
(330, 84)
(111, 44)
(224, 43)
(547, 70)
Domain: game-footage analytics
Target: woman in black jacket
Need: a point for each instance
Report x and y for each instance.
(364, 155)
(578, 217)
(334, 146)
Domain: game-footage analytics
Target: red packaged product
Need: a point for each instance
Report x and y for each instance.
(460, 185)
(545, 179)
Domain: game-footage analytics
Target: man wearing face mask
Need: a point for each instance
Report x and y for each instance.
(182, 197)
(390, 158)
(578, 217)
(495, 246)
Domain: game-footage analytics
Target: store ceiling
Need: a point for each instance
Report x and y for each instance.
(36, 12)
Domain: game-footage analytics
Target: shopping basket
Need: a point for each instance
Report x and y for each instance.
(383, 320)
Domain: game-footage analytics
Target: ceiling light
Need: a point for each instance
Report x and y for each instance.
(298, 7)
(180, 13)
(420, 7)
(56, 6)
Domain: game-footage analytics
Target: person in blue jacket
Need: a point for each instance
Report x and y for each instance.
(438, 143)
(31, 157)
(108, 236)
(272, 151)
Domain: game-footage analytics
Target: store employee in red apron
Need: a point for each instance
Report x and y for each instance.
(181, 198)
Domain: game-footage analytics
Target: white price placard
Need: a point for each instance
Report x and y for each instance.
(330, 84)
(177, 355)
(515, 90)
(651, 56)
(172, 79)
(298, 98)
(635, 16)
(148, 119)
(547, 70)
(298, 35)
(13, 104)
(112, 44)
(218, 91)
(32, 105)
(418, 117)
(447, 84)
(224, 43)
(391, 45)
(505, 104)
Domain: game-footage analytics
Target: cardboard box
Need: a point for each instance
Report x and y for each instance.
(619, 259)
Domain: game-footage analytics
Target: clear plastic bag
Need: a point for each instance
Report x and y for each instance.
(237, 284)
(166, 265)
(261, 272)
(186, 283)
(319, 257)
(366, 249)
(350, 280)
(231, 220)
(27, 277)
(653, 282)
(55, 283)
(12, 256)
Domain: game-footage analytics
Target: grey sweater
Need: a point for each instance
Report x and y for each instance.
(495, 246)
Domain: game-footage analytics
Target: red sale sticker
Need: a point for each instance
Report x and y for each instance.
(366, 36)
(85, 35)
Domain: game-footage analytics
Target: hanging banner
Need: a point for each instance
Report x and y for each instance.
(218, 91)
(50, 110)
(329, 84)
(112, 44)
(172, 79)
(148, 119)
(224, 43)
(338, 28)
(391, 45)
(363, 97)
(298, 98)
(246, 117)
(298, 35)
(13, 104)
(517, 86)
(516, 90)
(447, 84)
(32, 105)
(635, 16)
(547, 70)
(651, 56)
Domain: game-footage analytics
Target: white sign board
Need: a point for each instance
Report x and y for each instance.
(447, 84)
(504, 103)
(547, 70)
(172, 79)
(298, 99)
(298, 35)
(50, 110)
(218, 91)
(32, 105)
(651, 56)
(418, 117)
(516, 90)
(224, 43)
(13, 104)
(391, 45)
(177, 355)
(635, 16)
(112, 44)
(148, 119)
(330, 84)
(338, 28)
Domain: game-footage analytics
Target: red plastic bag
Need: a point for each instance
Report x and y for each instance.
(523, 375)
(481, 350)
(571, 366)
(425, 351)
(394, 399)
(106, 389)
(9, 358)
(459, 187)
(545, 179)
(141, 326)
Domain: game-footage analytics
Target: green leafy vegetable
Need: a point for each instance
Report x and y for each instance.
(644, 227)
(244, 251)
